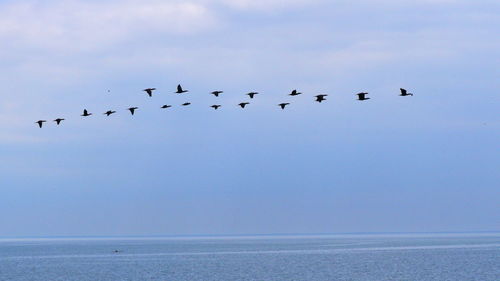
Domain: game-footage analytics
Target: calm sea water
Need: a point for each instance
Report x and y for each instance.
(358, 258)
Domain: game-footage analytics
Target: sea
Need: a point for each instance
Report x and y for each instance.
(348, 257)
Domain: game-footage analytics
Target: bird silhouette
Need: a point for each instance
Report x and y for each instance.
(86, 113)
(216, 93)
(320, 98)
(40, 123)
(215, 106)
(149, 91)
(294, 93)
(252, 94)
(243, 104)
(180, 90)
(282, 105)
(58, 120)
(166, 106)
(109, 112)
(186, 103)
(404, 92)
(362, 96)
(132, 109)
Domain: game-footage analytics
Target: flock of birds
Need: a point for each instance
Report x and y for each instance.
(180, 90)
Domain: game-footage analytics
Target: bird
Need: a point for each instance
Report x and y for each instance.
(295, 93)
(252, 94)
(180, 90)
(149, 91)
(132, 109)
(215, 106)
(109, 112)
(216, 93)
(404, 92)
(86, 113)
(166, 106)
(40, 123)
(58, 120)
(320, 98)
(186, 103)
(243, 104)
(282, 105)
(362, 96)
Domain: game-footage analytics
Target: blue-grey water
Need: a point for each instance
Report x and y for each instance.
(453, 257)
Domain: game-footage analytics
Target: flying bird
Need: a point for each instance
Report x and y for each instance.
(58, 120)
(282, 105)
(215, 106)
(362, 96)
(216, 93)
(243, 104)
(320, 98)
(180, 90)
(40, 123)
(404, 92)
(186, 103)
(149, 91)
(86, 113)
(109, 112)
(294, 93)
(132, 109)
(166, 106)
(252, 94)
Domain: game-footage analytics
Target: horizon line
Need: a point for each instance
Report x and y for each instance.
(243, 235)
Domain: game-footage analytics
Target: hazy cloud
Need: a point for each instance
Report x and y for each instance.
(84, 25)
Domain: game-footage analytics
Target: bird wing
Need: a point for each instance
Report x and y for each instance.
(179, 88)
(403, 91)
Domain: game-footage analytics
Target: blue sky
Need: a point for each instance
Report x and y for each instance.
(391, 164)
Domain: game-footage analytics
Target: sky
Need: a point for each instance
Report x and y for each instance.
(427, 163)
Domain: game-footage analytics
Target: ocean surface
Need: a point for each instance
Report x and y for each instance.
(425, 257)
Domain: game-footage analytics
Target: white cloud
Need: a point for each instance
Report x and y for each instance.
(263, 4)
(81, 25)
